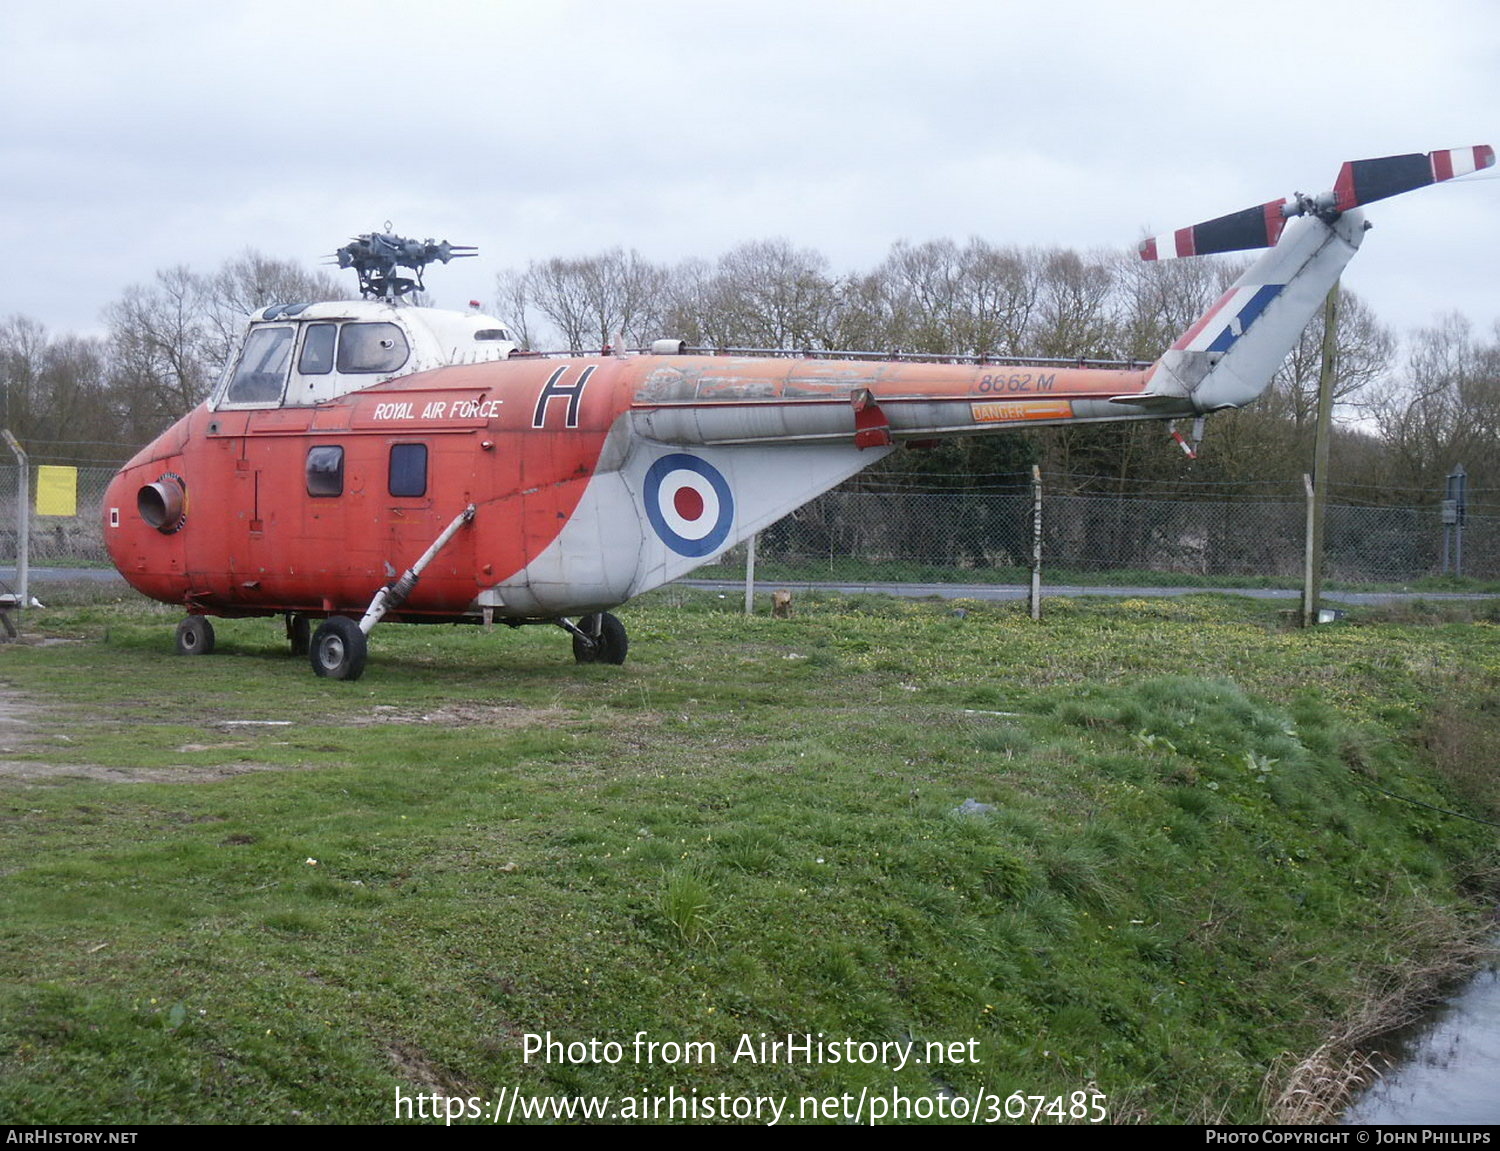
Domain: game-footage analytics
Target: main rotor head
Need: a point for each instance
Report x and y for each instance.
(375, 256)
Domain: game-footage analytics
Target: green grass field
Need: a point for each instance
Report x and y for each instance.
(230, 891)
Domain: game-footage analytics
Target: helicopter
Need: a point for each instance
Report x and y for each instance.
(374, 460)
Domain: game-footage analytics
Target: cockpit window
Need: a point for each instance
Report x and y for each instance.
(372, 348)
(317, 350)
(262, 370)
(492, 334)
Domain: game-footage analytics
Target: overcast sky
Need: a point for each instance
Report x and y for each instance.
(138, 136)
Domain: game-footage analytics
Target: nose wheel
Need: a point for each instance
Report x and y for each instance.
(195, 636)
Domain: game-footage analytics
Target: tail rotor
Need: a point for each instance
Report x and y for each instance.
(1359, 182)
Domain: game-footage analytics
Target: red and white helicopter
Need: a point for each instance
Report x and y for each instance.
(350, 442)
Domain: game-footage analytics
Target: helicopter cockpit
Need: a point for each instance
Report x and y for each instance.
(303, 354)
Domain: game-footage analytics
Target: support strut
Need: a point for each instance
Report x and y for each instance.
(395, 594)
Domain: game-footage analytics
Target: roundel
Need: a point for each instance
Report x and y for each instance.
(689, 504)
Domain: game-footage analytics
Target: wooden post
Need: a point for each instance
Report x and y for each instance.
(1318, 494)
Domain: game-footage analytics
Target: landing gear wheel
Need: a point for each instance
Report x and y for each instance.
(338, 649)
(610, 641)
(195, 636)
(298, 631)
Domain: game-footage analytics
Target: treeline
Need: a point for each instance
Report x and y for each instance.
(1411, 411)
(86, 399)
(1408, 415)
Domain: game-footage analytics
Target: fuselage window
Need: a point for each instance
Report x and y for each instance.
(408, 469)
(317, 350)
(372, 348)
(262, 370)
(325, 471)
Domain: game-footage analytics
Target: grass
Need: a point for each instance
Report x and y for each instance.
(230, 891)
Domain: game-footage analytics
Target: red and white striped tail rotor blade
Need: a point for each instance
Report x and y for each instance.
(1364, 181)
(1257, 227)
(1359, 182)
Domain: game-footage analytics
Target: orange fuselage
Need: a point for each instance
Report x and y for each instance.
(261, 531)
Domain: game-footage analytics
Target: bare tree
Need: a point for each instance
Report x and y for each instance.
(921, 293)
(1074, 316)
(164, 348)
(688, 304)
(55, 394)
(768, 294)
(1445, 410)
(560, 290)
(171, 339)
(1159, 299)
(1366, 352)
(1001, 297)
(591, 301)
(939, 298)
(514, 304)
(249, 282)
(23, 358)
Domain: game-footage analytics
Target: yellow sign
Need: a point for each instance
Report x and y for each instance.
(1004, 410)
(56, 491)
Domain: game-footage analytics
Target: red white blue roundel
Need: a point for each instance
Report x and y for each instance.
(689, 504)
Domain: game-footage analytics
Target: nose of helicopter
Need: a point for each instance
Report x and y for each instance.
(145, 511)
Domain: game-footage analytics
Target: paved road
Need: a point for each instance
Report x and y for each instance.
(1016, 591)
(106, 575)
(920, 590)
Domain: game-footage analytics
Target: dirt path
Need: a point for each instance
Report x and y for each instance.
(18, 733)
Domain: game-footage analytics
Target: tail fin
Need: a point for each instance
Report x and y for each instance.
(1227, 358)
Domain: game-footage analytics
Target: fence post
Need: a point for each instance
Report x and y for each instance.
(23, 522)
(1309, 586)
(750, 574)
(1455, 510)
(1036, 542)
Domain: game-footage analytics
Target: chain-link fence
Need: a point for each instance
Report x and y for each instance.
(963, 536)
(65, 540)
(902, 535)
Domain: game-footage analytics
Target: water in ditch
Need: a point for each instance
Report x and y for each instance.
(1447, 1068)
